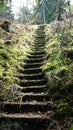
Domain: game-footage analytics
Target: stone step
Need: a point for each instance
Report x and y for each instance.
(31, 76)
(35, 96)
(38, 53)
(37, 48)
(25, 121)
(41, 41)
(36, 56)
(32, 82)
(34, 89)
(29, 115)
(32, 65)
(21, 107)
(42, 51)
(39, 44)
(34, 60)
(39, 37)
(32, 71)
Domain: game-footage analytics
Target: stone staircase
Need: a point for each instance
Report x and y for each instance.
(33, 112)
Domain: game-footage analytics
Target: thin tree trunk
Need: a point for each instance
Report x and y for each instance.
(44, 19)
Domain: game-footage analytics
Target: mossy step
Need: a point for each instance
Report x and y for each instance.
(34, 89)
(31, 77)
(32, 71)
(32, 65)
(34, 60)
(37, 52)
(40, 40)
(35, 96)
(34, 46)
(43, 50)
(37, 47)
(32, 82)
(36, 56)
(21, 107)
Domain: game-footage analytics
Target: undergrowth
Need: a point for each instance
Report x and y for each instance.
(14, 47)
(59, 69)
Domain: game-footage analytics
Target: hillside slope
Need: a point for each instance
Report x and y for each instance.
(58, 66)
(13, 50)
(59, 70)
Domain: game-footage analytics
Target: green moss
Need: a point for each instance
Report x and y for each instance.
(13, 50)
(63, 110)
(59, 69)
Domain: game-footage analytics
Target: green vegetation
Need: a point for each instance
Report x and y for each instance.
(71, 127)
(13, 50)
(59, 68)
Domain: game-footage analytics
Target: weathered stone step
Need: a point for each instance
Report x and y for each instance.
(32, 71)
(34, 96)
(39, 44)
(30, 121)
(31, 77)
(21, 107)
(36, 56)
(37, 48)
(39, 39)
(37, 53)
(34, 60)
(42, 51)
(29, 115)
(34, 89)
(32, 82)
(32, 65)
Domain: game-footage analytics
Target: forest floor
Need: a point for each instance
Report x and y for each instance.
(15, 46)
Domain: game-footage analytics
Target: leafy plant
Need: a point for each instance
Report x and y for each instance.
(71, 127)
